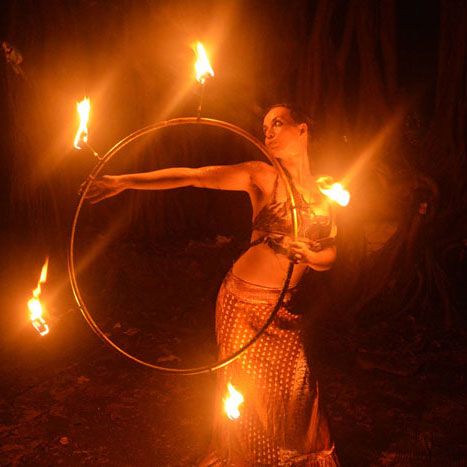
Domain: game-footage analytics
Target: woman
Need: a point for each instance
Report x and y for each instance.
(280, 422)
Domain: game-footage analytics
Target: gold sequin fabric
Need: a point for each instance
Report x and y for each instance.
(280, 421)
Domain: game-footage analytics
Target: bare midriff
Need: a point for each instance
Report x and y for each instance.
(262, 266)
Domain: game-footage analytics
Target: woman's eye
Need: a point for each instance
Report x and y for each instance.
(275, 124)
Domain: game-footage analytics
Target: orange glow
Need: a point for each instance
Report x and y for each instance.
(334, 191)
(375, 145)
(83, 108)
(232, 402)
(35, 306)
(203, 68)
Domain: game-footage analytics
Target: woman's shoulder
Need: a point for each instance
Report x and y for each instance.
(259, 167)
(263, 175)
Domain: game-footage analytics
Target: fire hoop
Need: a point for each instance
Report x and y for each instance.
(71, 253)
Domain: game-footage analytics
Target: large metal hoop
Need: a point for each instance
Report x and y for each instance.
(71, 253)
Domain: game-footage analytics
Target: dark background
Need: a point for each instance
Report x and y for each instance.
(385, 84)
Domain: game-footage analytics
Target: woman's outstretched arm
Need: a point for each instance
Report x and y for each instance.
(238, 177)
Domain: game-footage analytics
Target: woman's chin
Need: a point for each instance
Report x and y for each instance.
(277, 154)
(283, 156)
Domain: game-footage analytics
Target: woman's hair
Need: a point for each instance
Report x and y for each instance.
(297, 114)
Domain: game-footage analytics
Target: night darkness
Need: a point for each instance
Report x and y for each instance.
(384, 82)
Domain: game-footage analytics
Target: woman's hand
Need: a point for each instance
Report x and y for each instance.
(105, 187)
(299, 251)
(306, 253)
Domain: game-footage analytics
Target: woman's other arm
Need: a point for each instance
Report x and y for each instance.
(318, 260)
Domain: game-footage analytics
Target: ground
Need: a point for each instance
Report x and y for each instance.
(69, 399)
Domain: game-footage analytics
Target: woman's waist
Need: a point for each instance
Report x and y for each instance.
(253, 292)
(262, 267)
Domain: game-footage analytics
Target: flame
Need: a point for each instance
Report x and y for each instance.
(232, 402)
(334, 191)
(35, 306)
(203, 68)
(83, 108)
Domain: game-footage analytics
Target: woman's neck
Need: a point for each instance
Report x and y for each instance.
(299, 170)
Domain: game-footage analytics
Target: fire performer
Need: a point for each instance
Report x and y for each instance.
(281, 422)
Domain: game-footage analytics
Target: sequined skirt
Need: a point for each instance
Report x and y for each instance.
(280, 422)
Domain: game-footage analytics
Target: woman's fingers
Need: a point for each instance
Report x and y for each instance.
(298, 251)
(297, 257)
(100, 189)
(298, 247)
(99, 197)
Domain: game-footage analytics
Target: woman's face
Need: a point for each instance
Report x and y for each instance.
(282, 135)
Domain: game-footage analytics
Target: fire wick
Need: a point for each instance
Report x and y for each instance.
(86, 145)
(201, 99)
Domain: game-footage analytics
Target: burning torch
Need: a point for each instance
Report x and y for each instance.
(81, 139)
(333, 190)
(36, 311)
(203, 70)
(232, 402)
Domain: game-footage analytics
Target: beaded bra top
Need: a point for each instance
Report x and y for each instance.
(275, 219)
